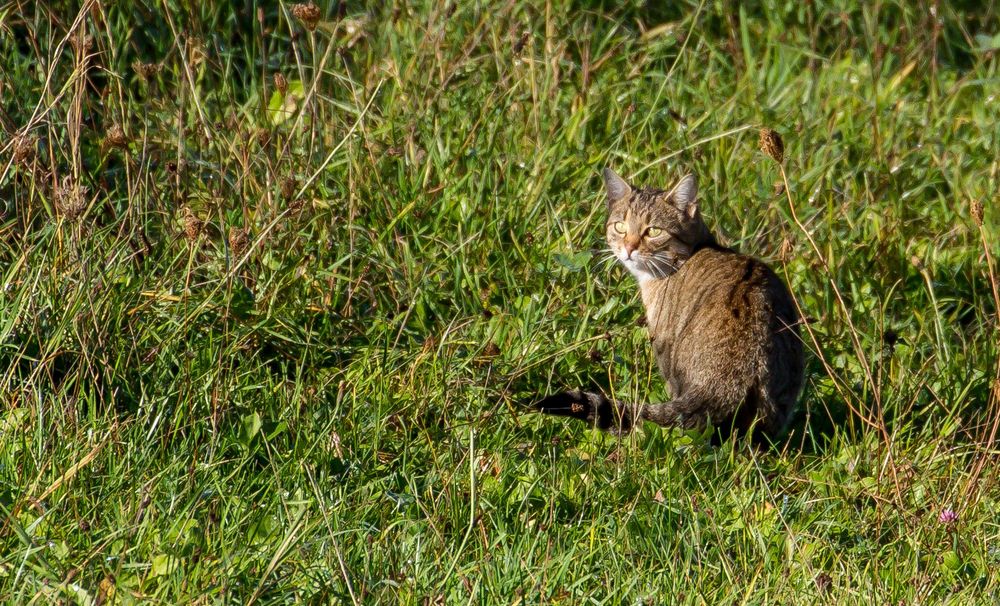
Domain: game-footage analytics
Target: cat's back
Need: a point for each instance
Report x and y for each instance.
(725, 326)
(729, 283)
(724, 304)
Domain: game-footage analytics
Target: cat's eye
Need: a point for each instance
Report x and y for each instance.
(654, 232)
(620, 227)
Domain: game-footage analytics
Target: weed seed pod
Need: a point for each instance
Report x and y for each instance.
(71, 199)
(24, 150)
(772, 145)
(786, 251)
(288, 187)
(976, 208)
(115, 138)
(263, 137)
(192, 225)
(238, 241)
(82, 44)
(308, 13)
(280, 82)
(147, 71)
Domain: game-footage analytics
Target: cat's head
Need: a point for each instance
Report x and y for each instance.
(653, 231)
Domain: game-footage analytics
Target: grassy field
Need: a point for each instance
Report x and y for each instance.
(275, 295)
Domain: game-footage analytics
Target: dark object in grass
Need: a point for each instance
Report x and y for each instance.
(824, 582)
(723, 325)
(772, 145)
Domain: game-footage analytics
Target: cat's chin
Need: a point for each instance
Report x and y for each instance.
(637, 269)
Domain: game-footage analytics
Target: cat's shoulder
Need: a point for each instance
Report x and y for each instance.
(733, 264)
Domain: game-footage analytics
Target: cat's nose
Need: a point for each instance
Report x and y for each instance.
(629, 249)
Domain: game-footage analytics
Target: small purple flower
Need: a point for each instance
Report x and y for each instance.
(948, 516)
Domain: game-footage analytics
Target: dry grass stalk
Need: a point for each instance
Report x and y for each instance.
(772, 145)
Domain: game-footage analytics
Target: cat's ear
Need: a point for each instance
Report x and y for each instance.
(616, 187)
(684, 195)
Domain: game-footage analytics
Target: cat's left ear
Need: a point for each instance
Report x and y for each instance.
(616, 187)
(684, 195)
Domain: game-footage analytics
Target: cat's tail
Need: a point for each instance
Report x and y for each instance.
(621, 418)
(596, 409)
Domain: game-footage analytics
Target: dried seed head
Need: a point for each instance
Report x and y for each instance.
(917, 262)
(263, 137)
(196, 51)
(238, 241)
(280, 82)
(82, 43)
(823, 582)
(521, 42)
(192, 225)
(288, 187)
(147, 71)
(772, 145)
(115, 137)
(779, 188)
(488, 355)
(787, 250)
(335, 443)
(976, 208)
(308, 13)
(24, 149)
(71, 199)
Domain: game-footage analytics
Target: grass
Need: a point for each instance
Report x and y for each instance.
(332, 408)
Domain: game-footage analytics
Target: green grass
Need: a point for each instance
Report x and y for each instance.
(336, 412)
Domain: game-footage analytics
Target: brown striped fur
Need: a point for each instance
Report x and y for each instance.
(723, 326)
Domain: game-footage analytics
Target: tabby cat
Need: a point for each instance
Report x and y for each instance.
(723, 325)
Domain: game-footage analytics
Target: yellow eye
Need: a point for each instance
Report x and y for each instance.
(620, 227)
(654, 232)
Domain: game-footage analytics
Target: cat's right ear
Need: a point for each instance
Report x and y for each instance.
(685, 195)
(616, 187)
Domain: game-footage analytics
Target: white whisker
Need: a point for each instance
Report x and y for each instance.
(663, 264)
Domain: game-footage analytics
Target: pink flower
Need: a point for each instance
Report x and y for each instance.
(948, 516)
